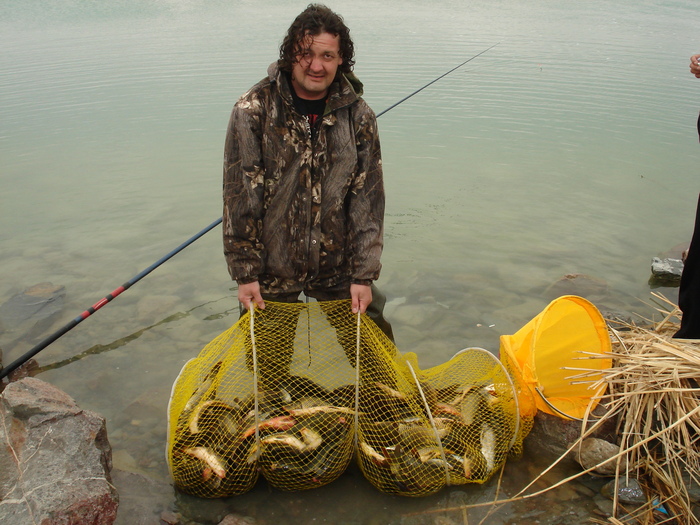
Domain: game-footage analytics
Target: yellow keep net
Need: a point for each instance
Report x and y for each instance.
(295, 391)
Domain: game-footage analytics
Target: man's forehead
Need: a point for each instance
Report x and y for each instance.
(325, 40)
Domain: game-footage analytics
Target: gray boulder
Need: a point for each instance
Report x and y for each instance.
(55, 459)
(666, 270)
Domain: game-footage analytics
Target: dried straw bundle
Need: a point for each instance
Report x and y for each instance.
(653, 392)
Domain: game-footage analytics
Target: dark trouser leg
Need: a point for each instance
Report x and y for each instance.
(373, 358)
(375, 311)
(689, 292)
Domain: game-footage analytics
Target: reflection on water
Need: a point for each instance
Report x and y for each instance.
(569, 148)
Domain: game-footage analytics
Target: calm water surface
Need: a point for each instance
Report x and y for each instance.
(569, 148)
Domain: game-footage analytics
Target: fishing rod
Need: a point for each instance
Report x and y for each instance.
(4, 372)
(404, 99)
(99, 304)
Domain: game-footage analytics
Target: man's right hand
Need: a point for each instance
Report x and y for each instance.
(250, 293)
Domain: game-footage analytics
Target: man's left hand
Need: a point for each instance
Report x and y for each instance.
(361, 295)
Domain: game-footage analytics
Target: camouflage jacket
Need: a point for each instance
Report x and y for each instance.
(302, 214)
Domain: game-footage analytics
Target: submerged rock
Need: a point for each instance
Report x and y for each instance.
(55, 459)
(36, 302)
(579, 284)
(30, 313)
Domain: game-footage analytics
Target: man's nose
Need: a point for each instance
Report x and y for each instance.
(316, 64)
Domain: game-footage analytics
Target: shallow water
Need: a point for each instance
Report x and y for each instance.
(568, 148)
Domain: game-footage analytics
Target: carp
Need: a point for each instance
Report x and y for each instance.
(210, 459)
(275, 423)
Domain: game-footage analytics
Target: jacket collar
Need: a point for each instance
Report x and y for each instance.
(345, 89)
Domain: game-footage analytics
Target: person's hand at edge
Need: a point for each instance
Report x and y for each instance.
(250, 293)
(695, 65)
(361, 295)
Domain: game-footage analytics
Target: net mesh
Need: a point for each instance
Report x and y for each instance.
(294, 391)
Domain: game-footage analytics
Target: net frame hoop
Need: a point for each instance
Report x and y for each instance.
(516, 431)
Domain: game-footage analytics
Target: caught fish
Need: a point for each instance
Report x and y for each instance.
(286, 440)
(468, 467)
(469, 407)
(304, 412)
(391, 392)
(372, 454)
(331, 426)
(209, 476)
(425, 454)
(211, 412)
(276, 423)
(410, 474)
(459, 463)
(439, 463)
(413, 436)
(269, 400)
(488, 446)
(307, 402)
(441, 429)
(446, 408)
(311, 438)
(203, 388)
(305, 471)
(210, 458)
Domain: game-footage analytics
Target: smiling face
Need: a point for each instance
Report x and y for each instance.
(316, 65)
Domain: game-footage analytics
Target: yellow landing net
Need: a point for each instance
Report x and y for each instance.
(560, 356)
(300, 389)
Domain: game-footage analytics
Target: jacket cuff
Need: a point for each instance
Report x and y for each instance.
(246, 280)
(366, 282)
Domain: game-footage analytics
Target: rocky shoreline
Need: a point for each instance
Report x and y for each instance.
(56, 464)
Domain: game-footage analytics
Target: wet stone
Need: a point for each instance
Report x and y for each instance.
(666, 271)
(595, 452)
(169, 518)
(628, 491)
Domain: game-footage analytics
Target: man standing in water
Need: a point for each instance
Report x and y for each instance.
(303, 186)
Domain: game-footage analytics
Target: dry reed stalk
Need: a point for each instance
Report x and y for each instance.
(653, 392)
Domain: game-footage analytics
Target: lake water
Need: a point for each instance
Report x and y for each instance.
(569, 148)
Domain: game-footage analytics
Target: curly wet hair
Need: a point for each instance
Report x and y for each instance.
(314, 20)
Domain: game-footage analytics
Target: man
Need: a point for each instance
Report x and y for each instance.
(303, 187)
(689, 292)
